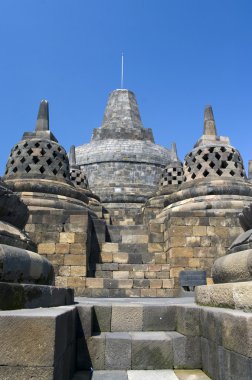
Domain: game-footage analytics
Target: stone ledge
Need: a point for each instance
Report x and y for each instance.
(230, 295)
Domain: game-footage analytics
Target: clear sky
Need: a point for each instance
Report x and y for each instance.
(180, 55)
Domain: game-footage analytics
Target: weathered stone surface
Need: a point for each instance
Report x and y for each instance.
(152, 375)
(118, 351)
(159, 318)
(96, 351)
(102, 318)
(109, 375)
(186, 351)
(151, 350)
(188, 320)
(127, 318)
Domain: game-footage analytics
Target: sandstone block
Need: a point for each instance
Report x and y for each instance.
(76, 282)
(121, 258)
(80, 237)
(106, 257)
(75, 260)
(77, 248)
(94, 282)
(110, 247)
(181, 252)
(64, 271)
(78, 271)
(46, 248)
(121, 275)
(199, 230)
(155, 247)
(168, 283)
(155, 283)
(135, 239)
(62, 248)
(67, 237)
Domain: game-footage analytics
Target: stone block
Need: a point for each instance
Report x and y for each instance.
(168, 283)
(74, 282)
(121, 258)
(155, 247)
(77, 249)
(46, 248)
(78, 271)
(181, 231)
(37, 343)
(121, 275)
(151, 350)
(109, 375)
(94, 282)
(188, 320)
(235, 366)
(106, 257)
(67, 237)
(160, 258)
(148, 292)
(156, 283)
(96, 351)
(181, 252)
(102, 318)
(85, 327)
(127, 318)
(134, 239)
(159, 318)
(23, 373)
(80, 237)
(211, 324)
(75, 260)
(118, 351)
(110, 247)
(186, 351)
(211, 358)
(62, 248)
(64, 271)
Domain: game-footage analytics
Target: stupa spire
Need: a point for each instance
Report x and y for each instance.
(43, 116)
(209, 122)
(72, 156)
(174, 151)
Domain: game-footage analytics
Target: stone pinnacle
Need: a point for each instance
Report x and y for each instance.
(209, 122)
(72, 156)
(174, 151)
(43, 116)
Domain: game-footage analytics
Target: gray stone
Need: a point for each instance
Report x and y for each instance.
(118, 351)
(96, 351)
(186, 351)
(24, 373)
(102, 318)
(234, 366)
(110, 375)
(151, 350)
(159, 318)
(211, 358)
(85, 313)
(152, 375)
(127, 318)
(188, 320)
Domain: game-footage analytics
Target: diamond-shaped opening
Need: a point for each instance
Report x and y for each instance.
(199, 166)
(232, 172)
(49, 161)
(60, 164)
(189, 169)
(165, 179)
(37, 145)
(205, 157)
(175, 177)
(179, 182)
(199, 152)
(42, 169)
(169, 174)
(194, 159)
(15, 169)
(55, 171)
(35, 159)
(29, 151)
(49, 146)
(205, 173)
(42, 151)
(236, 165)
(16, 147)
(233, 150)
(19, 152)
(219, 172)
(217, 155)
(22, 160)
(224, 164)
(174, 169)
(54, 154)
(211, 149)
(223, 149)
(190, 154)
(239, 158)
(59, 149)
(186, 163)
(63, 157)
(6, 171)
(12, 162)
(230, 157)
(25, 145)
(212, 164)
(193, 176)
(242, 174)
(64, 175)
(179, 173)
(28, 169)
(169, 182)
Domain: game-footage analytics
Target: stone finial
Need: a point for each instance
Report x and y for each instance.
(72, 156)
(174, 152)
(250, 170)
(43, 117)
(209, 122)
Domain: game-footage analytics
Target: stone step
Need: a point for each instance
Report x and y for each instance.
(128, 292)
(125, 258)
(143, 350)
(115, 233)
(130, 246)
(192, 374)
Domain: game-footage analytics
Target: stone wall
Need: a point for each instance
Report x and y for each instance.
(194, 240)
(64, 238)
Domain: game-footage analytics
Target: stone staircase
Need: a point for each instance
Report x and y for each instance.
(127, 267)
(138, 337)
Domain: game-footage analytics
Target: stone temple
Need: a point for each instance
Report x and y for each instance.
(120, 261)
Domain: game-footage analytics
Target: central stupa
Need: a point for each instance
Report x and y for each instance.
(122, 162)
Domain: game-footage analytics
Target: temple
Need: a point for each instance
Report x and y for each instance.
(123, 257)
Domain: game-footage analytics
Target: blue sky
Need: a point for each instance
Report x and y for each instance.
(180, 55)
